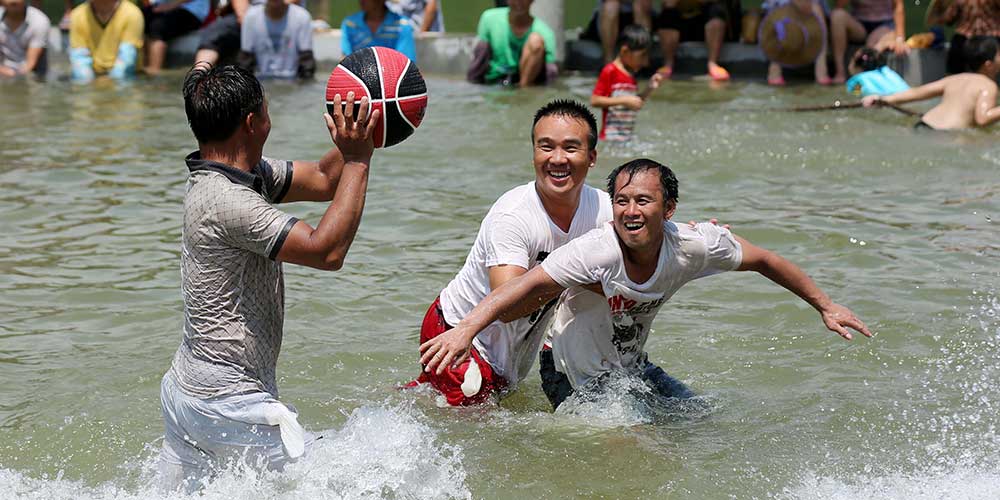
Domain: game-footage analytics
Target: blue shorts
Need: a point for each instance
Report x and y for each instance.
(557, 388)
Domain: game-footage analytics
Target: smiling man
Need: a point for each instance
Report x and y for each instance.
(637, 262)
(520, 230)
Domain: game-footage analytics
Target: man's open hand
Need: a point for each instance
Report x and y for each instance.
(352, 135)
(837, 318)
(451, 348)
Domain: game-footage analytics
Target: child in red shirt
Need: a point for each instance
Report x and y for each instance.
(617, 92)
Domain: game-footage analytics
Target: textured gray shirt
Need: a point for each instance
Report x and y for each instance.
(234, 293)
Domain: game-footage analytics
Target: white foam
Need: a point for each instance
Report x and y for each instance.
(381, 452)
(964, 483)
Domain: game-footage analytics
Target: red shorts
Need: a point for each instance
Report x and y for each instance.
(449, 382)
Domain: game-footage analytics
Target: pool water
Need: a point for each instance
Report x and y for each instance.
(898, 225)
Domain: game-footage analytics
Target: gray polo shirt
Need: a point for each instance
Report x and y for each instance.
(234, 292)
(33, 33)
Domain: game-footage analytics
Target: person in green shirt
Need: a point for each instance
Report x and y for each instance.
(514, 48)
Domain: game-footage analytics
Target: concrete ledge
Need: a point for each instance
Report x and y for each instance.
(450, 54)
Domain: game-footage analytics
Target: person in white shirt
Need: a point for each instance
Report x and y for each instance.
(520, 230)
(638, 261)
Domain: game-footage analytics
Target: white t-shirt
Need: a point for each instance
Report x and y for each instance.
(592, 335)
(517, 231)
(293, 35)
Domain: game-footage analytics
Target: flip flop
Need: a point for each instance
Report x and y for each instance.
(824, 81)
(776, 82)
(718, 73)
(666, 72)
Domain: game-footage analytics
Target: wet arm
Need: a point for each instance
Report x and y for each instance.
(326, 246)
(316, 180)
(783, 272)
(923, 92)
(31, 58)
(987, 111)
(453, 345)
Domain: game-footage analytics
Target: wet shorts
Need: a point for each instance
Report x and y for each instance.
(691, 28)
(557, 388)
(169, 25)
(205, 435)
(222, 36)
(450, 382)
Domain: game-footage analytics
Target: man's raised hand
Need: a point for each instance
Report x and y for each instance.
(352, 135)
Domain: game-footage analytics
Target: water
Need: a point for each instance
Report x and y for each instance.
(899, 226)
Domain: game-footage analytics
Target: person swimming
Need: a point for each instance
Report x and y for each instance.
(967, 99)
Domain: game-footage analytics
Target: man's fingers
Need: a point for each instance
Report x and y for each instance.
(840, 330)
(370, 130)
(460, 359)
(444, 363)
(363, 111)
(858, 325)
(338, 112)
(349, 107)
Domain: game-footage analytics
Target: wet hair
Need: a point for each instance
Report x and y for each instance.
(570, 109)
(979, 50)
(668, 181)
(218, 98)
(634, 37)
(869, 59)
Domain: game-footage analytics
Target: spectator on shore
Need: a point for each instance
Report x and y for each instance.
(221, 38)
(376, 26)
(276, 41)
(425, 15)
(514, 48)
(793, 33)
(24, 35)
(167, 20)
(105, 38)
(612, 16)
(877, 23)
(697, 20)
(970, 18)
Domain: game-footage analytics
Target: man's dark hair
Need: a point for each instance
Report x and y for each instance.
(869, 59)
(571, 109)
(668, 182)
(217, 99)
(978, 50)
(635, 37)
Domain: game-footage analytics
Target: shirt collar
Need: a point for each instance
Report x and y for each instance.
(251, 179)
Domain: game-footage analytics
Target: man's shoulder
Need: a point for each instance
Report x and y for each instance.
(131, 11)
(514, 200)
(354, 21)
(298, 13)
(494, 18)
(79, 12)
(542, 28)
(36, 18)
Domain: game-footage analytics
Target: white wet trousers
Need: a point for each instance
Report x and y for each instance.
(203, 436)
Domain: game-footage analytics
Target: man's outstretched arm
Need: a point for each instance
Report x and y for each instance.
(326, 246)
(783, 272)
(452, 347)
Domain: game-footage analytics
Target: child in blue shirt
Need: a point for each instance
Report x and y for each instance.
(871, 76)
(377, 26)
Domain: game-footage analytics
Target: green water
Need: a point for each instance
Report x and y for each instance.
(899, 226)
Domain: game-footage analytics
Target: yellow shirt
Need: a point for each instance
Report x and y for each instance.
(86, 32)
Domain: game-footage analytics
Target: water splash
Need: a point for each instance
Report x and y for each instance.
(381, 452)
(624, 400)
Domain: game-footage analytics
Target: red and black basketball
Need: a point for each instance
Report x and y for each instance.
(393, 85)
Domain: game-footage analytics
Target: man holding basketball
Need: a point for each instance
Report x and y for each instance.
(520, 230)
(220, 398)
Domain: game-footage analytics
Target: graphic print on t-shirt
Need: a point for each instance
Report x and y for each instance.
(629, 333)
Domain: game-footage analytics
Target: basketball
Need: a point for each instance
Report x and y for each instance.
(392, 83)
